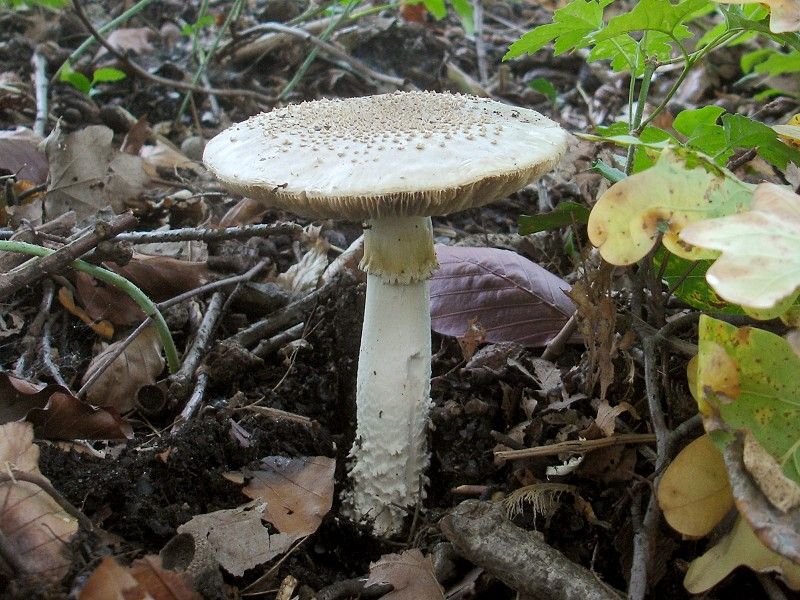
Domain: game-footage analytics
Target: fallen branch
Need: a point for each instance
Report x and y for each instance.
(481, 533)
(210, 235)
(576, 446)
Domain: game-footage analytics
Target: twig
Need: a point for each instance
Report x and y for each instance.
(180, 381)
(288, 315)
(210, 235)
(119, 282)
(32, 334)
(480, 43)
(163, 306)
(577, 446)
(268, 346)
(358, 66)
(40, 84)
(193, 404)
(353, 587)
(277, 414)
(63, 257)
(39, 481)
(47, 353)
(557, 344)
(144, 74)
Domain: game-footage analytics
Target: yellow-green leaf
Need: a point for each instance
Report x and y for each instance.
(750, 379)
(627, 219)
(694, 493)
(739, 548)
(784, 14)
(760, 263)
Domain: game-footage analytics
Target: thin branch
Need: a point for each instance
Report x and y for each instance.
(576, 446)
(128, 64)
(32, 334)
(40, 481)
(192, 405)
(41, 85)
(210, 235)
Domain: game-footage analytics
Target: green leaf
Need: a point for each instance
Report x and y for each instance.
(741, 132)
(77, 80)
(566, 213)
(106, 75)
(688, 279)
(570, 29)
(544, 87)
(750, 379)
(436, 7)
(464, 10)
(687, 121)
(778, 63)
(654, 15)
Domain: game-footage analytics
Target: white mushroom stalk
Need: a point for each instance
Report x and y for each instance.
(394, 371)
(392, 160)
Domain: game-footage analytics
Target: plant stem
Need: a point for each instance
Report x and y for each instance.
(644, 90)
(119, 282)
(112, 24)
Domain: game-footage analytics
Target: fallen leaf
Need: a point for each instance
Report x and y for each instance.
(410, 573)
(694, 493)
(784, 14)
(244, 212)
(100, 326)
(782, 492)
(56, 414)
(298, 492)
(511, 298)
(145, 579)
(88, 174)
(136, 40)
(21, 157)
(139, 364)
(303, 276)
(238, 537)
(760, 263)
(164, 156)
(738, 548)
(160, 277)
(625, 223)
(36, 528)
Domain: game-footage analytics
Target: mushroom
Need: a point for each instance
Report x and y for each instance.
(392, 161)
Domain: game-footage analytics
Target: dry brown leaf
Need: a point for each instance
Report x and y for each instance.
(607, 416)
(298, 492)
(782, 492)
(238, 537)
(138, 365)
(161, 583)
(160, 277)
(36, 527)
(88, 174)
(164, 156)
(410, 573)
(21, 157)
(244, 212)
(136, 40)
(101, 327)
(303, 276)
(111, 581)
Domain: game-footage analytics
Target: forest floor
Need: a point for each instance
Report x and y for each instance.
(288, 390)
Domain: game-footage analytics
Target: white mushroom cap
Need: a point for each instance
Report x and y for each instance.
(401, 154)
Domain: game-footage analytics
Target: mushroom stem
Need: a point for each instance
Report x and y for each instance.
(393, 386)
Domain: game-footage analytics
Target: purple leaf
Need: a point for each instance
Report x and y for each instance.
(512, 298)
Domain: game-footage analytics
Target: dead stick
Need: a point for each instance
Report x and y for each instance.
(211, 235)
(64, 256)
(577, 446)
(32, 334)
(192, 405)
(144, 74)
(481, 533)
(41, 482)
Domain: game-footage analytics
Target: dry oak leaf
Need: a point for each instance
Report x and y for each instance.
(35, 526)
(760, 263)
(629, 217)
(410, 573)
(88, 174)
(738, 548)
(146, 579)
(694, 493)
(238, 537)
(138, 365)
(298, 492)
(782, 492)
(56, 414)
(784, 14)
